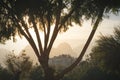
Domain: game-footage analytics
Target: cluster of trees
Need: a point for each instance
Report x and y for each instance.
(16, 68)
(20, 68)
(103, 63)
(17, 17)
(106, 53)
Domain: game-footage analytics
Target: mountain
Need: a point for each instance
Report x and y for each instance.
(63, 48)
(62, 60)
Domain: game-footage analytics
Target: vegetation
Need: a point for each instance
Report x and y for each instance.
(4, 74)
(95, 68)
(17, 17)
(18, 66)
(36, 73)
(106, 53)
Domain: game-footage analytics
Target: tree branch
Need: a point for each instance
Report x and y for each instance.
(58, 24)
(37, 35)
(65, 18)
(28, 37)
(55, 32)
(84, 48)
(48, 33)
(57, 28)
(44, 27)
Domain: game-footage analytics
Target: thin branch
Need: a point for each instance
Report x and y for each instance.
(29, 39)
(48, 33)
(37, 35)
(55, 32)
(65, 18)
(31, 42)
(43, 24)
(45, 32)
(84, 48)
(56, 29)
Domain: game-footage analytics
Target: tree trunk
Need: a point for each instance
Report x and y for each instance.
(68, 69)
(50, 74)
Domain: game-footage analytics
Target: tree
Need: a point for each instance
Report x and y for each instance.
(18, 66)
(36, 73)
(4, 74)
(17, 17)
(106, 53)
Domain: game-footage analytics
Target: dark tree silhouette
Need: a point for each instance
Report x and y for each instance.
(18, 66)
(4, 74)
(106, 54)
(36, 73)
(17, 17)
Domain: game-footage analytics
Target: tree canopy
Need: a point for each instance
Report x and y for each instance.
(106, 53)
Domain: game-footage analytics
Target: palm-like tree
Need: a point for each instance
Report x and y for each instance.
(17, 17)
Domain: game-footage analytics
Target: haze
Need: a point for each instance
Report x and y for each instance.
(75, 36)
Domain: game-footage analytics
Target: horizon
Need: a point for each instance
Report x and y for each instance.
(106, 27)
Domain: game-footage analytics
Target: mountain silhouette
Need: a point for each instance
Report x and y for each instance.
(62, 48)
(61, 61)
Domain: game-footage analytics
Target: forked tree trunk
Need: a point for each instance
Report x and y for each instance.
(49, 73)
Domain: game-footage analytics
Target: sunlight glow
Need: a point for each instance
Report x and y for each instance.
(75, 36)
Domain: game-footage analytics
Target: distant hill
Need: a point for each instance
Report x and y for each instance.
(63, 48)
(61, 61)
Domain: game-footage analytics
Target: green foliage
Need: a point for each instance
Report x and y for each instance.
(94, 73)
(47, 12)
(18, 66)
(79, 72)
(36, 73)
(18, 16)
(4, 74)
(43, 11)
(106, 53)
(86, 70)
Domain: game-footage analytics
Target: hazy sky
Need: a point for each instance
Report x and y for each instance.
(75, 36)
